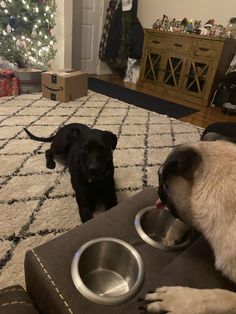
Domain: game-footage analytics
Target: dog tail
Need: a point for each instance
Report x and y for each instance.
(41, 139)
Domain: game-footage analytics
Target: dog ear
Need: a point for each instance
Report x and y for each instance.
(183, 161)
(113, 138)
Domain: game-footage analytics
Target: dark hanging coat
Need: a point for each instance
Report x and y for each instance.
(125, 38)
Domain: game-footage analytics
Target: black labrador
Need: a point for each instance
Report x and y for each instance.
(89, 157)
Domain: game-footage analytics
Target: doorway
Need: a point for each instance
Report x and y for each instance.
(87, 26)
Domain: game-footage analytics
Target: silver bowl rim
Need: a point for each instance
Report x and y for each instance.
(149, 240)
(103, 300)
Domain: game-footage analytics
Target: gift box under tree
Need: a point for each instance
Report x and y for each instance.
(9, 84)
(27, 39)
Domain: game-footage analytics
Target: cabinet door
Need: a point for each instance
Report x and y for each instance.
(198, 77)
(150, 70)
(173, 70)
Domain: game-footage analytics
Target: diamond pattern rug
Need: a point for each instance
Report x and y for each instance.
(38, 204)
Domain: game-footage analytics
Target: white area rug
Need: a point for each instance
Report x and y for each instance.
(37, 204)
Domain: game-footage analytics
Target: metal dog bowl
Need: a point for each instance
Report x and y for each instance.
(107, 271)
(154, 225)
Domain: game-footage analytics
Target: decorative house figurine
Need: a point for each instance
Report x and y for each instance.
(206, 30)
(231, 27)
(157, 24)
(165, 23)
(189, 27)
(177, 26)
(172, 25)
(184, 24)
(220, 30)
(197, 27)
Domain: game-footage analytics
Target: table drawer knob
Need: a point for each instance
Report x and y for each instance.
(178, 45)
(203, 49)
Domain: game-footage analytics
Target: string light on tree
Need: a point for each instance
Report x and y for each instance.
(25, 28)
(3, 4)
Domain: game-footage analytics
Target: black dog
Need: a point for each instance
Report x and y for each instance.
(89, 157)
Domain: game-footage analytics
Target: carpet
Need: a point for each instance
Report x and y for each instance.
(139, 99)
(38, 204)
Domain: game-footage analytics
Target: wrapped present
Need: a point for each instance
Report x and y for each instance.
(2, 88)
(9, 84)
(15, 87)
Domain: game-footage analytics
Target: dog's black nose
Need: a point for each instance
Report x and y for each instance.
(93, 170)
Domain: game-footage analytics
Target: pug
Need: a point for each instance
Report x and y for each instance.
(197, 182)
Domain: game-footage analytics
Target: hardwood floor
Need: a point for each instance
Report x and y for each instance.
(202, 118)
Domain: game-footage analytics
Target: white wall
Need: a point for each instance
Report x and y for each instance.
(58, 62)
(68, 29)
(221, 11)
(63, 33)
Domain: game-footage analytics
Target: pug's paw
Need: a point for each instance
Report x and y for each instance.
(175, 234)
(168, 241)
(175, 300)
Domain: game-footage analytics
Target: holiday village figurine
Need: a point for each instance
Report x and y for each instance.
(206, 30)
(197, 27)
(189, 27)
(172, 25)
(157, 24)
(165, 23)
(220, 30)
(184, 24)
(231, 27)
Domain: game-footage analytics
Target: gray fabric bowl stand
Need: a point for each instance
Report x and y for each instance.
(47, 267)
(14, 300)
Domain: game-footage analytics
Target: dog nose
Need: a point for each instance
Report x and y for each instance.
(93, 169)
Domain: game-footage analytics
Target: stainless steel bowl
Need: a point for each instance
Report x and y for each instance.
(161, 230)
(107, 271)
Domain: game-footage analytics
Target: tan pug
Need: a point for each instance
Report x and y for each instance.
(197, 182)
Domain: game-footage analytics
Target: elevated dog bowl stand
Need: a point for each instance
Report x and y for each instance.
(47, 267)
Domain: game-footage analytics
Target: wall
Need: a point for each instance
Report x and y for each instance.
(150, 10)
(58, 62)
(68, 29)
(63, 32)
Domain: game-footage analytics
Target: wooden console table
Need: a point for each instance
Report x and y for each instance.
(185, 66)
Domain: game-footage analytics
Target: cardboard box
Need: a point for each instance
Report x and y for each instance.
(64, 86)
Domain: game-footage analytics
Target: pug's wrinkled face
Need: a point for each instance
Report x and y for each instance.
(197, 183)
(176, 179)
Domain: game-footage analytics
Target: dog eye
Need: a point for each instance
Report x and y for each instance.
(85, 149)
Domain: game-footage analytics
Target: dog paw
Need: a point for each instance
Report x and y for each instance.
(168, 242)
(175, 300)
(51, 164)
(176, 234)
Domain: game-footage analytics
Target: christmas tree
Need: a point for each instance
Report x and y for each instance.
(26, 37)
